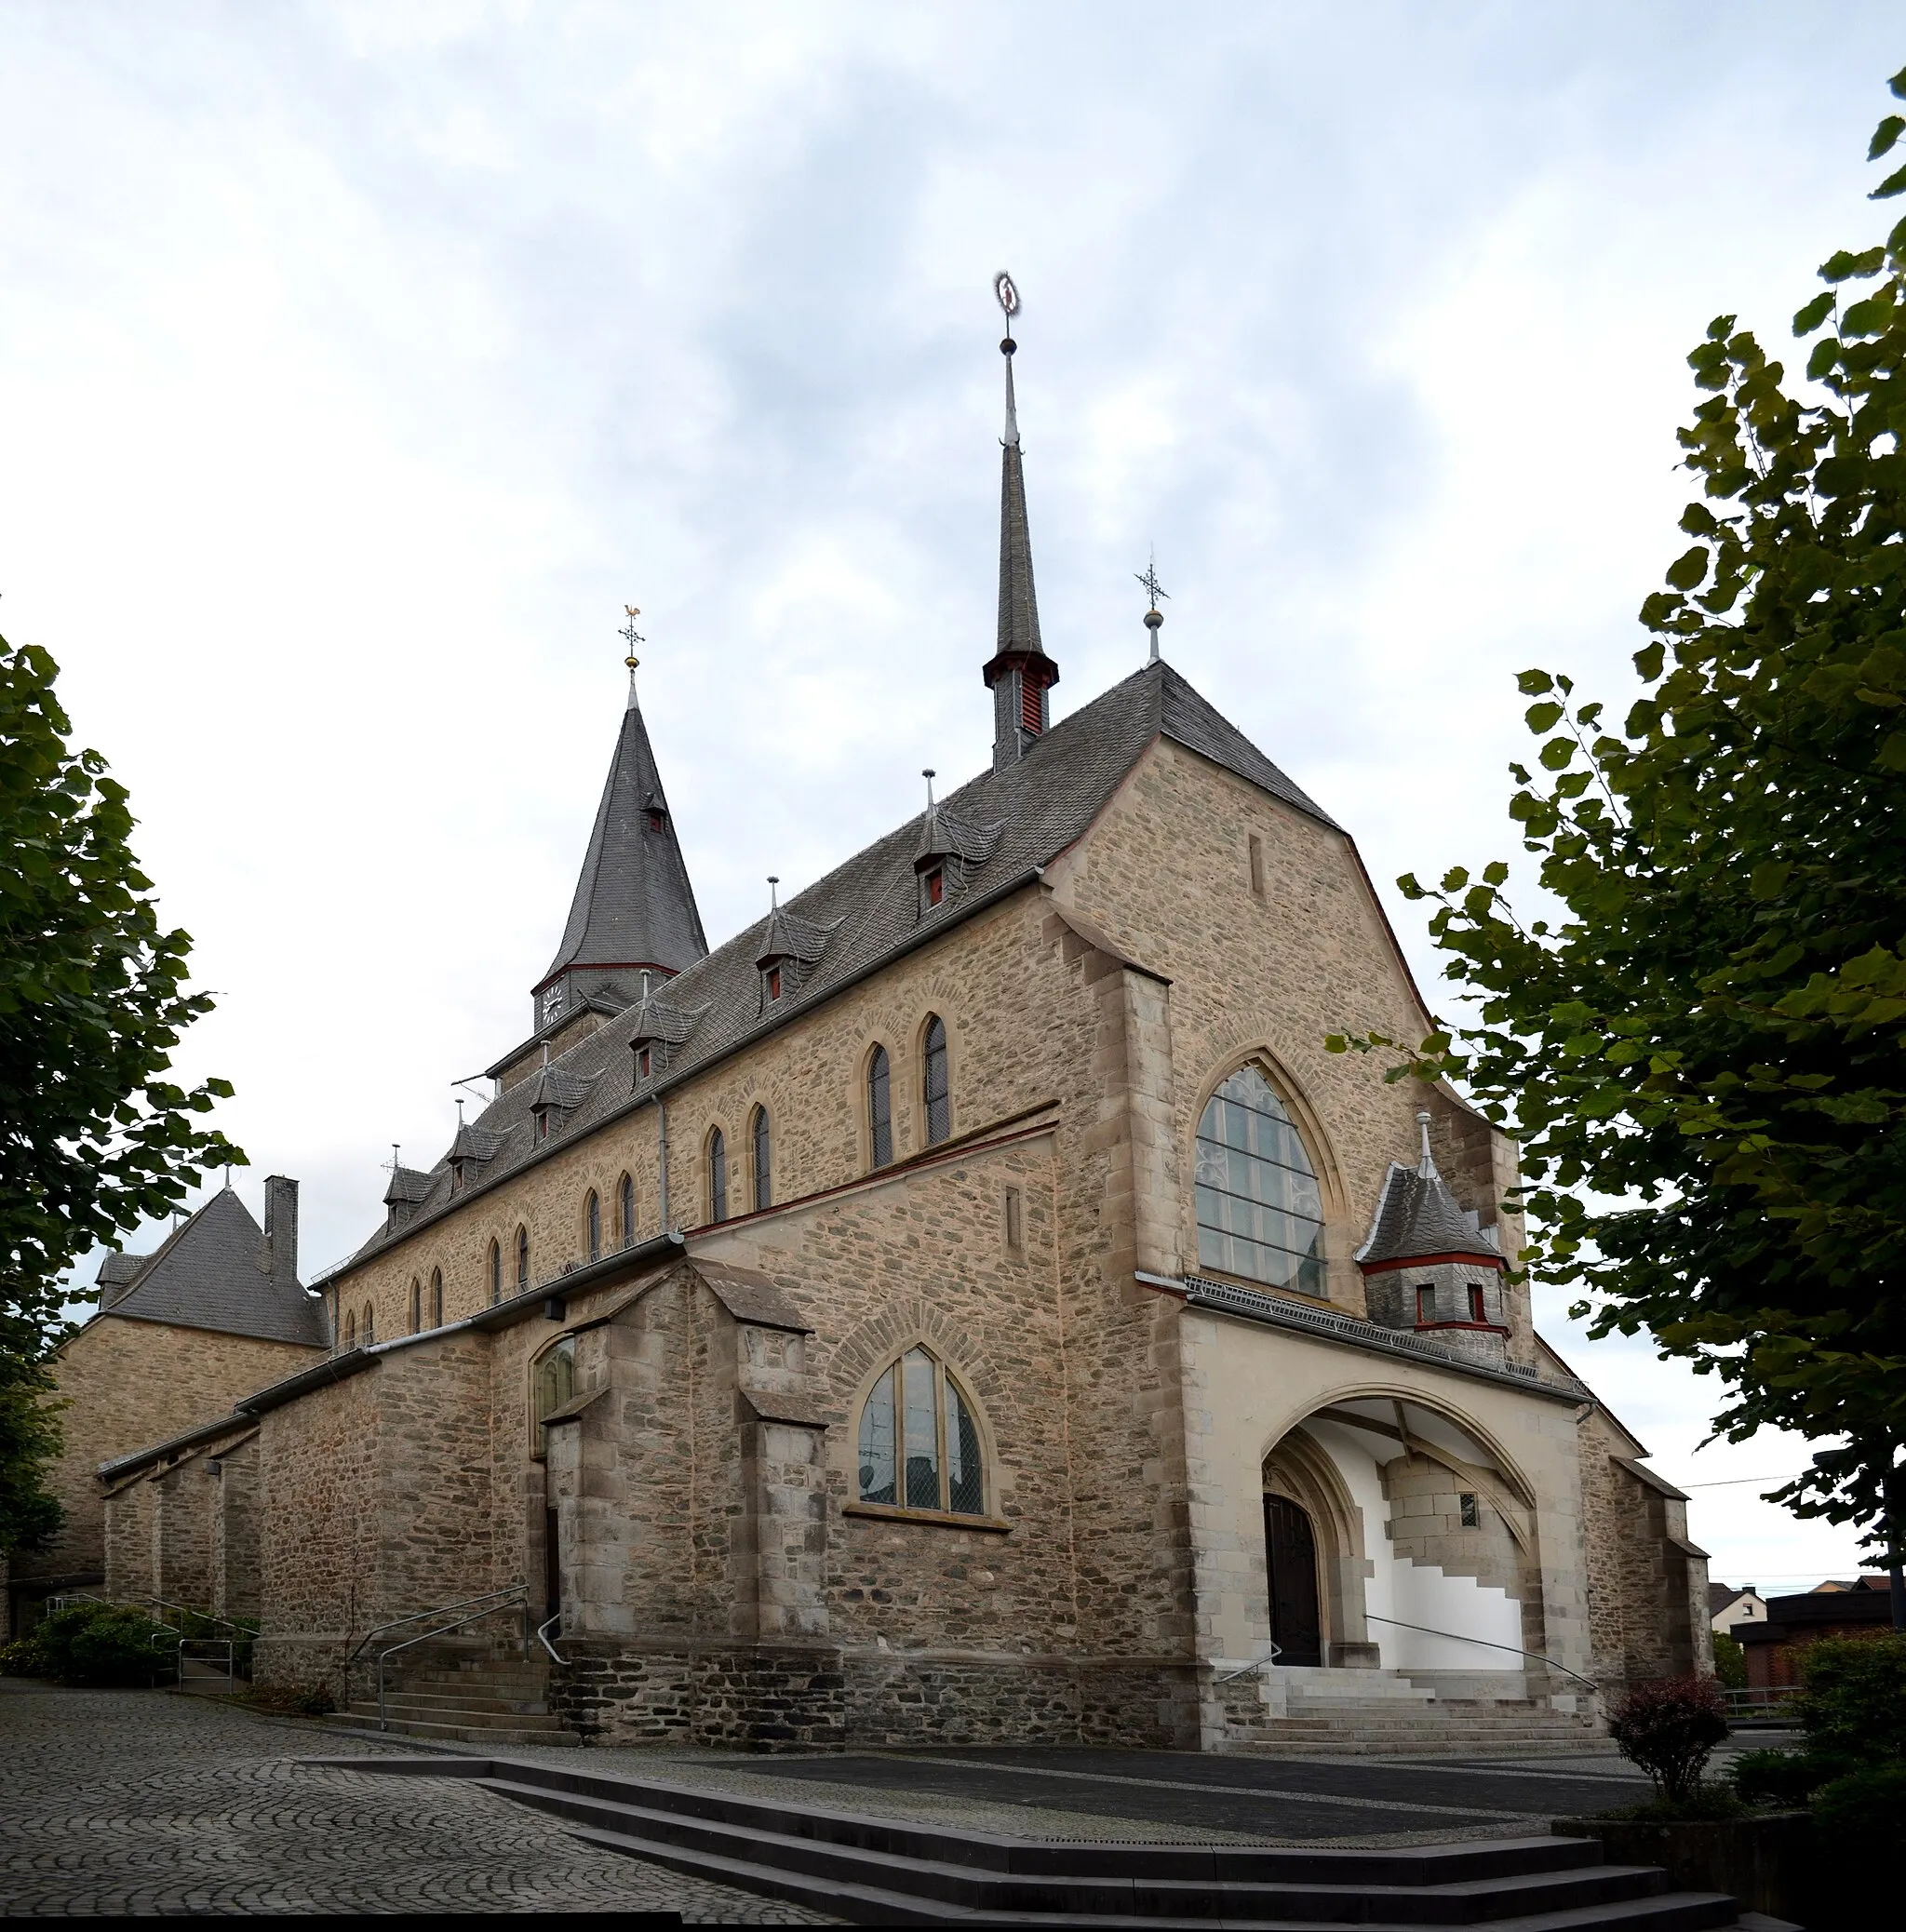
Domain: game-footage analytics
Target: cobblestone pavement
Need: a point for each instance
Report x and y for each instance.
(117, 1802)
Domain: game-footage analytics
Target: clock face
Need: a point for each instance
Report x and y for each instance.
(552, 1002)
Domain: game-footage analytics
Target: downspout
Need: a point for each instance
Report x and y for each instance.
(661, 1160)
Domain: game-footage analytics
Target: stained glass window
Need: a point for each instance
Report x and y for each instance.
(1259, 1211)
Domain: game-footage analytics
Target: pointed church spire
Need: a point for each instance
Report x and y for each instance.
(633, 911)
(1020, 673)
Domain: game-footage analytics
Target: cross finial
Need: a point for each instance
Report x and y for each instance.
(395, 1149)
(1154, 617)
(632, 636)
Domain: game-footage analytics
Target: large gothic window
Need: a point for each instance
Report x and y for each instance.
(918, 1444)
(1259, 1211)
(939, 1096)
(763, 1158)
(879, 1107)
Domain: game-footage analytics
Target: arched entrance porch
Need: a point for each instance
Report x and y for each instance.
(1422, 1556)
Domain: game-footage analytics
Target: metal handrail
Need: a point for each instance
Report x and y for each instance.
(1488, 1644)
(543, 1630)
(87, 1596)
(383, 1656)
(1232, 1676)
(497, 1599)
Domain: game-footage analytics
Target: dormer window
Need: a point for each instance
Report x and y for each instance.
(644, 1061)
(933, 883)
(541, 1119)
(658, 819)
(772, 978)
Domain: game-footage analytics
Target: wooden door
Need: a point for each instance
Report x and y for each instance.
(1291, 1549)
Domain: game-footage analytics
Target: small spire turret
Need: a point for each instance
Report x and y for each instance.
(1019, 674)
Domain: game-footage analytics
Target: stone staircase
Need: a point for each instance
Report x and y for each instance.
(1357, 1712)
(893, 1871)
(458, 1697)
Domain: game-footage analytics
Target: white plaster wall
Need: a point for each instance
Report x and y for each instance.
(1245, 1385)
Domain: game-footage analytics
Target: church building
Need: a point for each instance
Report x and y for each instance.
(970, 1304)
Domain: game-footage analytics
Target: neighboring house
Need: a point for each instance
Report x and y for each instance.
(1728, 1607)
(971, 1303)
(179, 1334)
(1850, 1583)
(1775, 1648)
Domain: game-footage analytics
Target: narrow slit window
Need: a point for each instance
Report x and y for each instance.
(763, 1161)
(495, 1274)
(1479, 1307)
(1425, 1303)
(369, 1325)
(938, 1093)
(879, 1107)
(718, 1176)
(1015, 1238)
(1256, 865)
(416, 1306)
(436, 1297)
(626, 1207)
(1471, 1516)
(593, 1218)
(522, 1259)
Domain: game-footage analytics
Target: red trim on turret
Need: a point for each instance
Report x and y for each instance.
(1477, 1255)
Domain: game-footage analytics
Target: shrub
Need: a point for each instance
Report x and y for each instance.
(1669, 1729)
(1856, 1836)
(102, 1643)
(1783, 1778)
(1854, 1707)
(24, 1658)
(1730, 1662)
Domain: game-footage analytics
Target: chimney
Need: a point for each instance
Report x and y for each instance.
(281, 1228)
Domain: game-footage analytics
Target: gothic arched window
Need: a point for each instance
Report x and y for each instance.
(553, 1383)
(436, 1297)
(764, 1159)
(1260, 1214)
(369, 1325)
(919, 1441)
(718, 1176)
(879, 1107)
(522, 1259)
(592, 1214)
(625, 1208)
(495, 1274)
(416, 1306)
(936, 1090)
(351, 1328)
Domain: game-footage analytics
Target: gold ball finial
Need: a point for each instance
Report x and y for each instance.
(634, 635)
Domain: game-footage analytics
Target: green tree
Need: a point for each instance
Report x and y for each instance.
(1702, 1052)
(93, 1137)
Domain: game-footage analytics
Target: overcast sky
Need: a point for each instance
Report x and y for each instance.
(359, 362)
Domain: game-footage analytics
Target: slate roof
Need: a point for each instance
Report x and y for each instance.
(869, 909)
(1417, 1217)
(213, 1271)
(117, 1273)
(634, 905)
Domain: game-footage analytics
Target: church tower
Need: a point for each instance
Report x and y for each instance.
(1019, 674)
(634, 912)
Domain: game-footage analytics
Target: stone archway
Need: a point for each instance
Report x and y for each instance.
(1426, 1542)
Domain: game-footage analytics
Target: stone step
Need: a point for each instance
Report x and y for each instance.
(456, 1733)
(505, 1720)
(877, 1871)
(463, 1700)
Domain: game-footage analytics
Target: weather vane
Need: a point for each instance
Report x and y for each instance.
(632, 635)
(1006, 293)
(1154, 590)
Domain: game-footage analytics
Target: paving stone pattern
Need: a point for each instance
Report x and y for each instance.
(123, 1801)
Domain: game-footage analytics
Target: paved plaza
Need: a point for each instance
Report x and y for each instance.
(116, 1802)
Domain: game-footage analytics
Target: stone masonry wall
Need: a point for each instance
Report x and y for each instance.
(129, 1385)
